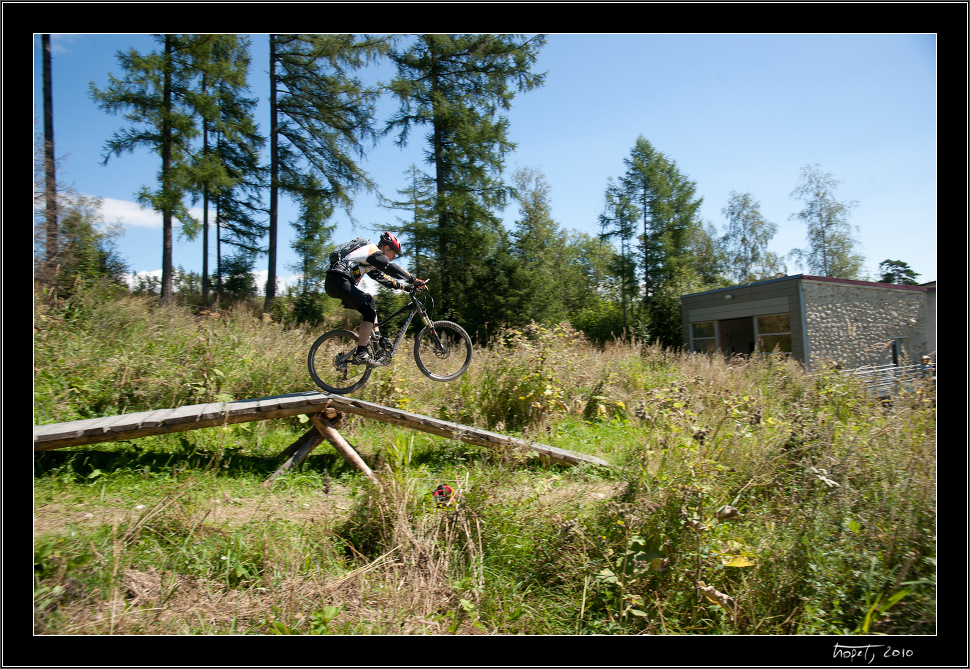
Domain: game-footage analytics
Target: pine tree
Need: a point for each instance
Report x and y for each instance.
(155, 95)
(898, 272)
(312, 242)
(419, 226)
(619, 222)
(831, 246)
(459, 85)
(668, 207)
(320, 117)
(537, 245)
(240, 215)
(231, 158)
(313, 239)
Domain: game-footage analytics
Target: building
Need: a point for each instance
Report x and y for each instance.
(816, 320)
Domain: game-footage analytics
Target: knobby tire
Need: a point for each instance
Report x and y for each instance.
(448, 364)
(321, 361)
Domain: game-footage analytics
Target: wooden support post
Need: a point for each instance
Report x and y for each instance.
(297, 453)
(323, 422)
(325, 426)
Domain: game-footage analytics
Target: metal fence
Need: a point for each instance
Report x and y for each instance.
(887, 380)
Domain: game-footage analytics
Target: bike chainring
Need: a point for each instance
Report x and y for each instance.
(341, 360)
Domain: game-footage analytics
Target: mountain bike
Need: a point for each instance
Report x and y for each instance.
(442, 350)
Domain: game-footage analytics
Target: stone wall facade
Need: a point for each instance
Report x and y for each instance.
(855, 325)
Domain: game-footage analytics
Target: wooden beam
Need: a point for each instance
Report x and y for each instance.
(345, 449)
(163, 421)
(466, 433)
(132, 426)
(297, 453)
(324, 427)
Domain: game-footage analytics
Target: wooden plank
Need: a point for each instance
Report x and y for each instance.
(132, 426)
(457, 431)
(163, 421)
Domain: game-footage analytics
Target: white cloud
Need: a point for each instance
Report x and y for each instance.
(132, 214)
(282, 282)
(129, 213)
(132, 279)
(62, 42)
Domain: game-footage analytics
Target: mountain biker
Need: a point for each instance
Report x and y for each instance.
(376, 262)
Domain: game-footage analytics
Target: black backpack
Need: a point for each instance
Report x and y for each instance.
(343, 250)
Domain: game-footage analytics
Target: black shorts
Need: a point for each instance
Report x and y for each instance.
(340, 287)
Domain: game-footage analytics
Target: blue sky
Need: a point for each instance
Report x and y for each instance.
(736, 112)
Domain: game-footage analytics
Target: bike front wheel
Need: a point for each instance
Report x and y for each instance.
(443, 352)
(330, 366)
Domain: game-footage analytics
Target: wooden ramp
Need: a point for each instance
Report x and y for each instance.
(162, 421)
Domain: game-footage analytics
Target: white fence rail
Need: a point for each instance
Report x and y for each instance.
(886, 380)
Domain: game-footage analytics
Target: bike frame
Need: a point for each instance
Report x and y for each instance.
(416, 308)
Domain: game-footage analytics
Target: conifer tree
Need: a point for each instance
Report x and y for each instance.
(538, 245)
(897, 271)
(459, 85)
(240, 214)
(320, 118)
(417, 199)
(665, 205)
(618, 222)
(230, 158)
(313, 239)
(157, 96)
(668, 208)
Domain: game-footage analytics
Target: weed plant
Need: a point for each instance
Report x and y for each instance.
(745, 497)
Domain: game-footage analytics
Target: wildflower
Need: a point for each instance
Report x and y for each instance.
(822, 476)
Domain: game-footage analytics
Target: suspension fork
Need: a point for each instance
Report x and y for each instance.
(428, 322)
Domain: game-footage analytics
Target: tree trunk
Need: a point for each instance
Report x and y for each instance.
(218, 252)
(273, 181)
(166, 294)
(205, 213)
(50, 183)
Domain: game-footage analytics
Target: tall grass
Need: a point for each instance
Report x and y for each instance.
(746, 497)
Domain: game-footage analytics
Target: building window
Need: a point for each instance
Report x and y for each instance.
(704, 337)
(774, 333)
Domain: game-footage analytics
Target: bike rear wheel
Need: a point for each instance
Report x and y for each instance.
(330, 366)
(443, 352)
